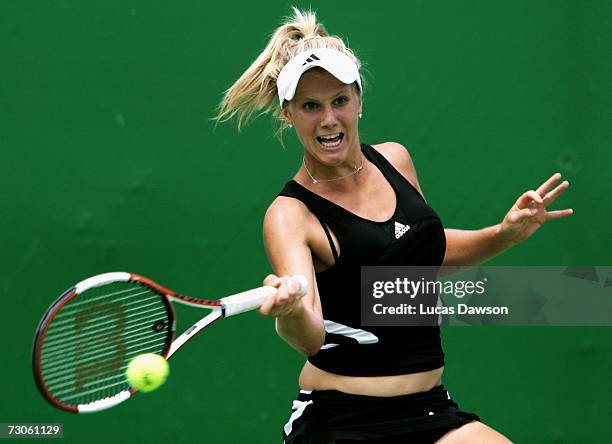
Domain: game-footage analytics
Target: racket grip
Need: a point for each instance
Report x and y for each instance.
(252, 299)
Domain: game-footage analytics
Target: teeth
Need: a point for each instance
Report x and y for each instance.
(333, 136)
(331, 140)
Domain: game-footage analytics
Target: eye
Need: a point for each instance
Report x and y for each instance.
(341, 100)
(310, 105)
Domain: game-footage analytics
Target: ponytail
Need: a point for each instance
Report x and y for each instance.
(255, 90)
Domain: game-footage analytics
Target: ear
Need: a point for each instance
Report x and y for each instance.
(286, 115)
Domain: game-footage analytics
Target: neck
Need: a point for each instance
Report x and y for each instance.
(318, 173)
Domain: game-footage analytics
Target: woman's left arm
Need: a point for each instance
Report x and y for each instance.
(527, 215)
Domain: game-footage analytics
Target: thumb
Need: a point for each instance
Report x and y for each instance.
(272, 280)
(517, 216)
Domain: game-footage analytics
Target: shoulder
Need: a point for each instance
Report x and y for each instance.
(285, 211)
(288, 218)
(399, 156)
(287, 232)
(396, 153)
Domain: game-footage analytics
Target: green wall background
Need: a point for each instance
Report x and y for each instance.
(109, 162)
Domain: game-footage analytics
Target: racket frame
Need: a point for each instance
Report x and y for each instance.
(228, 306)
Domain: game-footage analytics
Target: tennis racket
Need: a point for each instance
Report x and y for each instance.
(88, 336)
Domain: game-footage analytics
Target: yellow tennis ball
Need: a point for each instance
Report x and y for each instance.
(147, 372)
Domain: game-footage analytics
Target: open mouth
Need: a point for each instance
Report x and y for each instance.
(331, 140)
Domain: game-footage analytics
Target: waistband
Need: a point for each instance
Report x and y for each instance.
(436, 393)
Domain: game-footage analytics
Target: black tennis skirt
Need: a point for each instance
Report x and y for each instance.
(322, 417)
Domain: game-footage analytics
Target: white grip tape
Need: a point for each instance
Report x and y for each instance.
(252, 299)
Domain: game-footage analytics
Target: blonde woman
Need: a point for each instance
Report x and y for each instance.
(349, 205)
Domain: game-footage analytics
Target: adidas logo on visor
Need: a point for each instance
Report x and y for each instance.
(311, 58)
(338, 64)
(400, 229)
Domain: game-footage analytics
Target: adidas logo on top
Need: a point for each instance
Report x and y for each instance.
(400, 229)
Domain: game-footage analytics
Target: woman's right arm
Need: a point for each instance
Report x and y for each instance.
(299, 321)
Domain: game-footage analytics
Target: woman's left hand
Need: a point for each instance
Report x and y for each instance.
(530, 211)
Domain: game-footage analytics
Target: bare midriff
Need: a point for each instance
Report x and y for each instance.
(313, 378)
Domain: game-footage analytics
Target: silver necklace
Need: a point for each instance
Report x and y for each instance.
(355, 171)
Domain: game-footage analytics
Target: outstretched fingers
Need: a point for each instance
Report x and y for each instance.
(546, 186)
(559, 213)
(552, 196)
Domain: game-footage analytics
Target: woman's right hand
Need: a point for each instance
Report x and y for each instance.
(288, 299)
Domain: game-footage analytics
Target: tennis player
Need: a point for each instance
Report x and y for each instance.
(352, 204)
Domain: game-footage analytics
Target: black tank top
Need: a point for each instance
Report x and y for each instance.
(414, 235)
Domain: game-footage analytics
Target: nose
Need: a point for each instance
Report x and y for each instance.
(328, 119)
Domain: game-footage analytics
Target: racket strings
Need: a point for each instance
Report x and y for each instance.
(99, 308)
(133, 290)
(91, 340)
(109, 326)
(109, 367)
(94, 358)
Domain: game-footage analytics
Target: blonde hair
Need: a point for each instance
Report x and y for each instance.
(255, 90)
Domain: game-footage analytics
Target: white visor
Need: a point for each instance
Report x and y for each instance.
(336, 63)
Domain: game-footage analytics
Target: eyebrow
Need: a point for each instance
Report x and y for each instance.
(338, 92)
